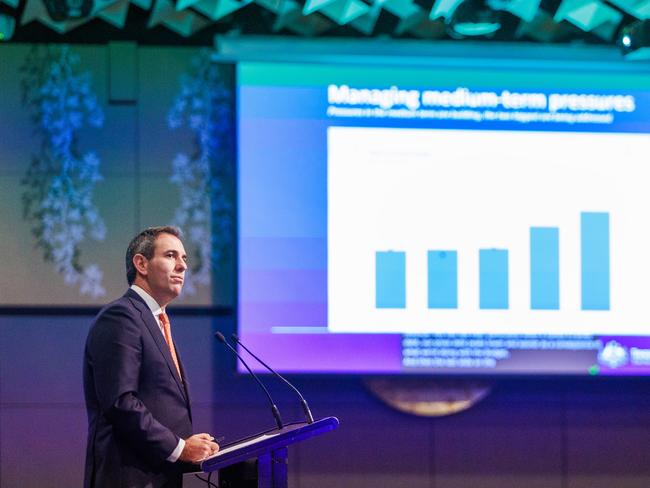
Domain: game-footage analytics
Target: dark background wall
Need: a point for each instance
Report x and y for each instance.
(527, 433)
(564, 433)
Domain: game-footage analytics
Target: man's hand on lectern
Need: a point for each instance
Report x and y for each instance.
(198, 447)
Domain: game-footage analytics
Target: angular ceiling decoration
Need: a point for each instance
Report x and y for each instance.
(637, 8)
(544, 29)
(344, 11)
(35, 11)
(524, 9)
(596, 21)
(115, 14)
(289, 15)
(366, 23)
(184, 22)
(7, 25)
(590, 16)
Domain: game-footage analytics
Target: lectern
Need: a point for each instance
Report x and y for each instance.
(261, 461)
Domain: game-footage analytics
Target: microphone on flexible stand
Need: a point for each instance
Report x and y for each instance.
(303, 402)
(274, 408)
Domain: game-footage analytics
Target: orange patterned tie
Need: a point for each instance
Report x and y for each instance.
(164, 320)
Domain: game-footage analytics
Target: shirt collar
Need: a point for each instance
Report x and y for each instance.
(148, 299)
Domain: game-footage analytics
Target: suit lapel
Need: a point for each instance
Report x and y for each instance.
(186, 386)
(154, 330)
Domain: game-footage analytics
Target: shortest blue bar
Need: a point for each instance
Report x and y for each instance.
(443, 279)
(390, 279)
(493, 278)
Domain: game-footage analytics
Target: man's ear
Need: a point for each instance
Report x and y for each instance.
(141, 264)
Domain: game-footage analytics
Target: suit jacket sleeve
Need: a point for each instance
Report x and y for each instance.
(115, 348)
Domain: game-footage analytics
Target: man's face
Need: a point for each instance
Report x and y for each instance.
(165, 271)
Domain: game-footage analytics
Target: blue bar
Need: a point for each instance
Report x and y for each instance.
(544, 268)
(390, 275)
(594, 246)
(443, 279)
(493, 278)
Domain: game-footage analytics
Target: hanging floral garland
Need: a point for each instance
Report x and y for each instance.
(204, 105)
(59, 183)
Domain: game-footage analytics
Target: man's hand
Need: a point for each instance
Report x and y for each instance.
(198, 447)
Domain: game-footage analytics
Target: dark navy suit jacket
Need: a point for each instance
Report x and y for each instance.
(138, 407)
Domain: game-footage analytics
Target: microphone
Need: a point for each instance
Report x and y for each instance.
(274, 409)
(303, 402)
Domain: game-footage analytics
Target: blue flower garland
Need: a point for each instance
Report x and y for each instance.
(59, 183)
(204, 105)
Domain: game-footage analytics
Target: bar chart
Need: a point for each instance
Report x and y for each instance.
(486, 232)
(442, 272)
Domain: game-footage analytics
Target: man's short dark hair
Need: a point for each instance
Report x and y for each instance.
(144, 243)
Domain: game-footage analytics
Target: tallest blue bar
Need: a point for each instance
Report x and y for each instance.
(594, 247)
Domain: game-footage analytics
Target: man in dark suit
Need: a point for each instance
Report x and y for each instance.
(139, 416)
